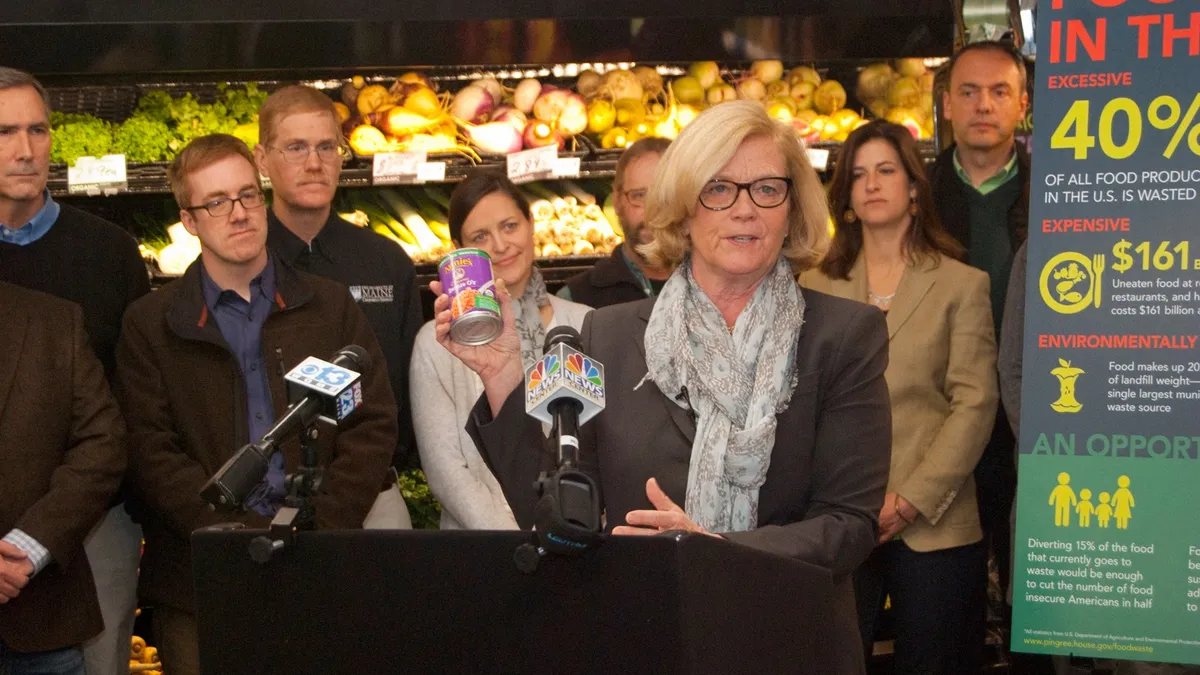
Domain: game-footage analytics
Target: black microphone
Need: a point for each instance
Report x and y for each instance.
(564, 411)
(564, 388)
(318, 390)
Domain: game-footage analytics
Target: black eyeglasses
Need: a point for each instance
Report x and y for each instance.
(767, 193)
(223, 206)
(635, 197)
(298, 153)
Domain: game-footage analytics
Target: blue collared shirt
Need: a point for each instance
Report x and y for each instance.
(241, 324)
(36, 228)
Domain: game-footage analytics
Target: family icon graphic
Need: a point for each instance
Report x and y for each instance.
(1085, 508)
(1119, 505)
(1122, 503)
(1104, 511)
(1062, 499)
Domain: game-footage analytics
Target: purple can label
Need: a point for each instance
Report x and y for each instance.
(466, 276)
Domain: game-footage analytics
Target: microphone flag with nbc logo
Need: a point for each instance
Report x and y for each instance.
(564, 372)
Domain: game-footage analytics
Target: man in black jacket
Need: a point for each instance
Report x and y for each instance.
(982, 188)
(301, 150)
(625, 276)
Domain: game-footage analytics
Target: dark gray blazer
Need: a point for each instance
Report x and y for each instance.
(829, 468)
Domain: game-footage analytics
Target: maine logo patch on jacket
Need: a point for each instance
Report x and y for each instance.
(365, 294)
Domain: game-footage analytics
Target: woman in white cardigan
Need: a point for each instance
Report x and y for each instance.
(486, 212)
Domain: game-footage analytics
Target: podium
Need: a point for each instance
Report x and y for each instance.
(455, 602)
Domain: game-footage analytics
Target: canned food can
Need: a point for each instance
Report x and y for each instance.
(466, 276)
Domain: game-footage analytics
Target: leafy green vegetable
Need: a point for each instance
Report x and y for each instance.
(423, 507)
(194, 119)
(243, 104)
(144, 139)
(74, 136)
(156, 105)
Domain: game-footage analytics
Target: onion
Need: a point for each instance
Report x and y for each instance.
(499, 138)
(491, 86)
(511, 115)
(472, 104)
(526, 93)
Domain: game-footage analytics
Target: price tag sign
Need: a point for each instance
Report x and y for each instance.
(390, 168)
(535, 164)
(566, 167)
(96, 176)
(431, 172)
(818, 157)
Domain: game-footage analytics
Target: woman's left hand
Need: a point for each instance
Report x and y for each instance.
(666, 516)
(897, 513)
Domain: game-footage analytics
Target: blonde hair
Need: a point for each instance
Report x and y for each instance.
(200, 154)
(702, 149)
(291, 100)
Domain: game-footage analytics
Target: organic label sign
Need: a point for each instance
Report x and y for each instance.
(97, 175)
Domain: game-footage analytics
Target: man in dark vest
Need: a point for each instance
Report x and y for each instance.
(625, 276)
(982, 188)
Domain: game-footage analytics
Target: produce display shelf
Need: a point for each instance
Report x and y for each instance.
(151, 179)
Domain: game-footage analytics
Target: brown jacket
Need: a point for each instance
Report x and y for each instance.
(185, 403)
(942, 383)
(61, 460)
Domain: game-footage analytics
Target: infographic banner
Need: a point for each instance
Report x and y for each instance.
(1107, 555)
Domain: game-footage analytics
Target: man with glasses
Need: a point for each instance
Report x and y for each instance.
(301, 152)
(625, 276)
(200, 373)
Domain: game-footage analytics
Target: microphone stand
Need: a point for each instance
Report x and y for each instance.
(297, 512)
(567, 516)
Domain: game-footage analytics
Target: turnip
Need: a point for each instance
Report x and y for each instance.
(574, 117)
(651, 81)
(538, 134)
(617, 84)
(566, 111)
(491, 86)
(472, 104)
(767, 71)
(526, 94)
(511, 115)
(707, 72)
(499, 138)
(752, 89)
(588, 83)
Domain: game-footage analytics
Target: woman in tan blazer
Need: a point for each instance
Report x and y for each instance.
(890, 251)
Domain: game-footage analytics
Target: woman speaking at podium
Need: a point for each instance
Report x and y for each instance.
(737, 405)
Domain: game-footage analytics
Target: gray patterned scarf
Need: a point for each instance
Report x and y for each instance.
(736, 383)
(529, 318)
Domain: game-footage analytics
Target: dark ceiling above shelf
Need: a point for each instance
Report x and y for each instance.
(117, 37)
(216, 11)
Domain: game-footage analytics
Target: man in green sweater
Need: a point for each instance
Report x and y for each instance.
(982, 188)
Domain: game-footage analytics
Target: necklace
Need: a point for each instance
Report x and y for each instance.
(880, 300)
